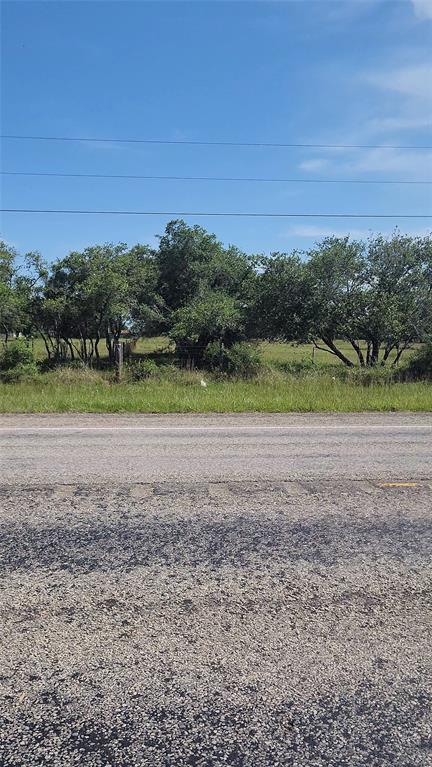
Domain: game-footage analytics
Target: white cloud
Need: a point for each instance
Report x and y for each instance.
(422, 8)
(409, 164)
(317, 163)
(413, 81)
(391, 124)
(412, 86)
(416, 165)
(316, 232)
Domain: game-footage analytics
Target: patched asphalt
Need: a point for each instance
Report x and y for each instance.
(247, 623)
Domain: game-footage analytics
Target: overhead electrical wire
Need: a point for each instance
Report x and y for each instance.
(210, 213)
(277, 145)
(210, 178)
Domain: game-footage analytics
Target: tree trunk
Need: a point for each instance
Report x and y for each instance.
(358, 351)
(399, 355)
(346, 361)
(386, 354)
(109, 345)
(368, 353)
(374, 352)
(47, 347)
(96, 346)
(71, 349)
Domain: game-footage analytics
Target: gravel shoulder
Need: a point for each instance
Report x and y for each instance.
(247, 623)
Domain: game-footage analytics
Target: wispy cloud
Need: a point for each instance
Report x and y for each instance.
(401, 123)
(407, 163)
(410, 81)
(318, 163)
(350, 10)
(413, 165)
(316, 232)
(411, 87)
(422, 8)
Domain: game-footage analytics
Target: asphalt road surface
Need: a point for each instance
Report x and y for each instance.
(216, 590)
(188, 448)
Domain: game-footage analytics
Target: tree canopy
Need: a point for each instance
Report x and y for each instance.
(374, 294)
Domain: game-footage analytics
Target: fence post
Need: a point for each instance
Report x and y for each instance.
(118, 355)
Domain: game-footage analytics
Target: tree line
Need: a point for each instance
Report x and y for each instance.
(374, 294)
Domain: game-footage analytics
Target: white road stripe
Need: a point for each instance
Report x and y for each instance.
(344, 427)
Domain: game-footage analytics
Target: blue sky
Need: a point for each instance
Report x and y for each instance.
(353, 72)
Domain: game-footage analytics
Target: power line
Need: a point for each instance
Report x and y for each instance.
(211, 178)
(212, 143)
(190, 213)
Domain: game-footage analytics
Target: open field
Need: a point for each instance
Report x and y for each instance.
(288, 394)
(144, 346)
(277, 352)
(271, 352)
(287, 382)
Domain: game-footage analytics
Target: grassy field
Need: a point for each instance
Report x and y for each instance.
(144, 346)
(316, 388)
(280, 352)
(271, 353)
(290, 394)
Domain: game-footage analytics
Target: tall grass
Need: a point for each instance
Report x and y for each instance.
(288, 382)
(185, 395)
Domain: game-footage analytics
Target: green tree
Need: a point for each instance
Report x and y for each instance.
(375, 295)
(397, 309)
(378, 292)
(211, 316)
(10, 307)
(335, 274)
(183, 253)
(279, 310)
(92, 295)
(205, 288)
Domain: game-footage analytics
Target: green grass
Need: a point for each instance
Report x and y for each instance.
(290, 394)
(143, 346)
(325, 386)
(271, 352)
(277, 352)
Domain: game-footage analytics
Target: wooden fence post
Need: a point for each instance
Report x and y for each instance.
(118, 355)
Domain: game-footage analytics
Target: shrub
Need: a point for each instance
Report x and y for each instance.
(239, 359)
(17, 362)
(374, 376)
(73, 374)
(299, 367)
(18, 373)
(16, 353)
(141, 370)
(420, 364)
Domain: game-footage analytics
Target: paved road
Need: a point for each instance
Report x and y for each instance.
(41, 449)
(272, 609)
